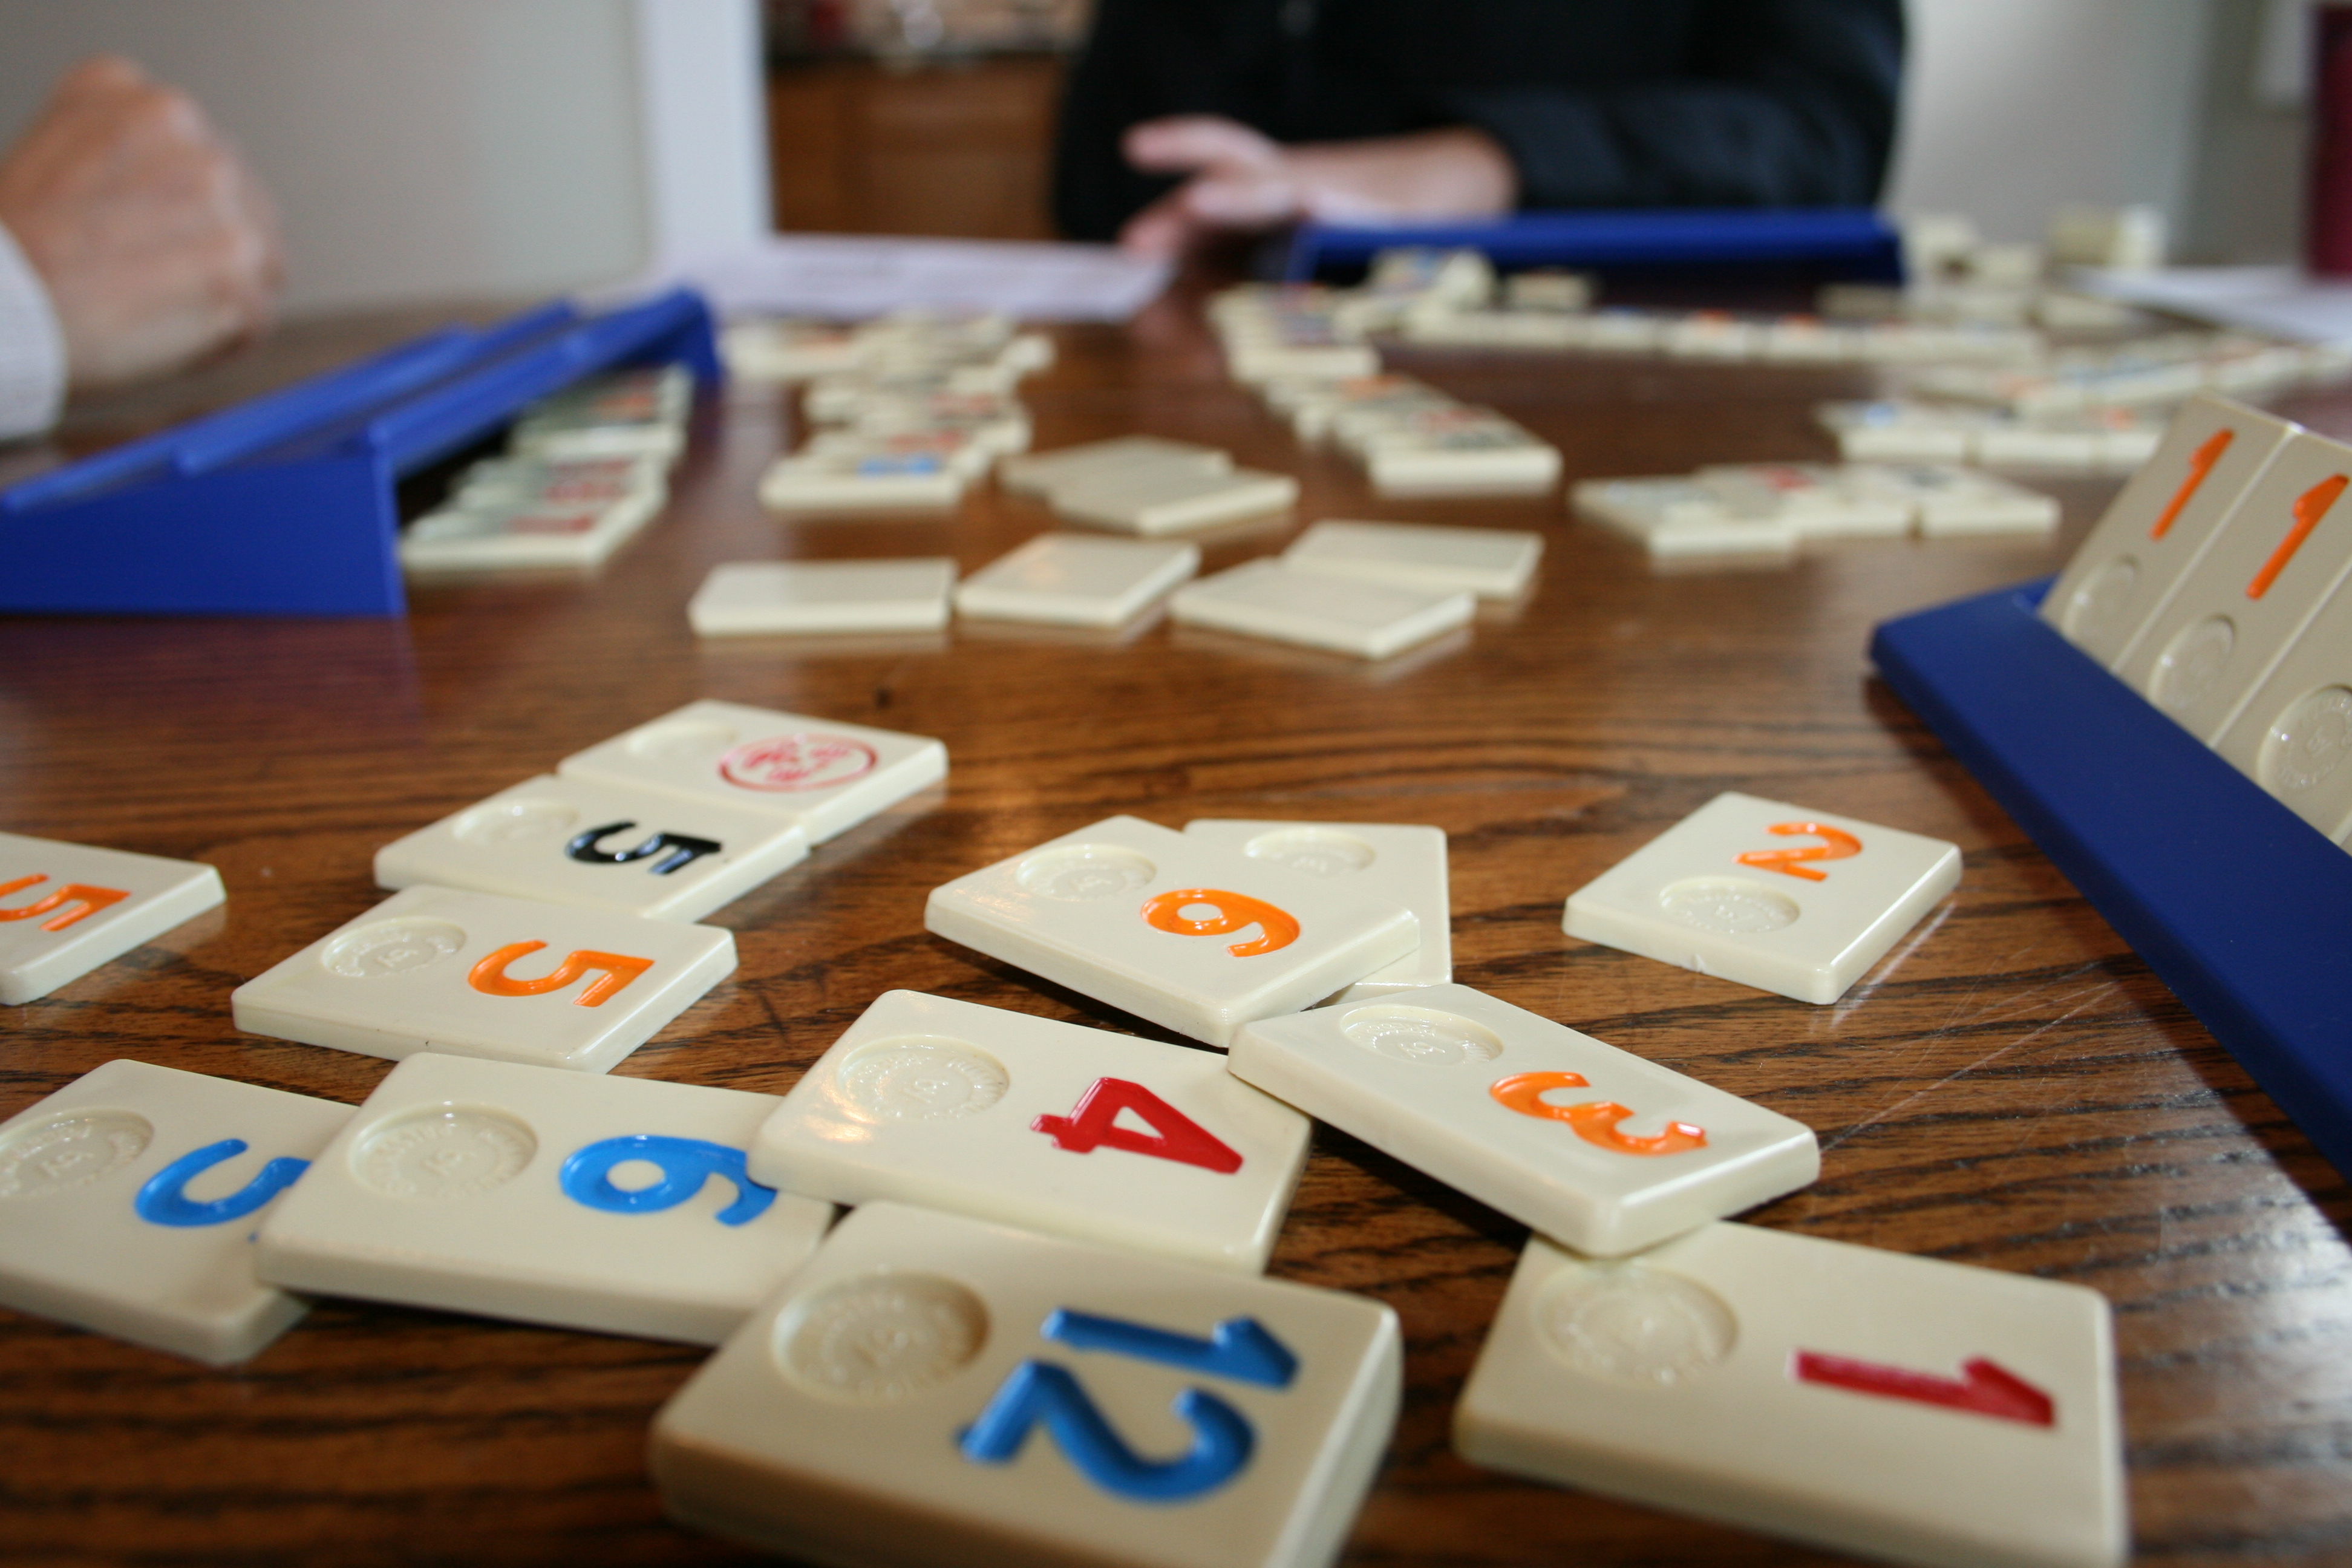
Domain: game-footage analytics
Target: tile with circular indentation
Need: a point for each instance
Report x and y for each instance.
(128, 1201)
(2270, 565)
(599, 846)
(1171, 928)
(481, 976)
(1767, 894)
(1584, 1141)
(72, 907)
(1903, 1409)
(2160, 524)
(1403, 864)
(827, 776)
(930, 1388)
(1128, 1142)
(2293, 736)
(620, 1205)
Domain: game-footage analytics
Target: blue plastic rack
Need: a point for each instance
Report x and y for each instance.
(286, 504)
(2239, 905)
(1854, 242)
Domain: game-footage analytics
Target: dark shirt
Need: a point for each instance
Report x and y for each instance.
(1600, 104)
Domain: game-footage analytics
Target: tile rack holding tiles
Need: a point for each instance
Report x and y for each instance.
(2198, 858)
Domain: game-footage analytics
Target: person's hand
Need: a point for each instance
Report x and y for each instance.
(155, 242)
(1240, 180)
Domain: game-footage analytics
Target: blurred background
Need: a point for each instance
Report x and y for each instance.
(428, 150)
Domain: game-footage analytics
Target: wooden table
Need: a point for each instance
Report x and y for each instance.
(2011, 1087)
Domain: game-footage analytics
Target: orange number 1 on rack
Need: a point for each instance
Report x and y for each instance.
(2200, 463)
(1837, 844)
(2309, 508)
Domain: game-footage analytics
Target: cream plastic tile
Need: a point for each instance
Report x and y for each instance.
(1816, 500)
(751, 597)
(934, 1390)
(2293, 736)
(1402, 864)
(1901, 1408)
(1170, 928)
(1040, 473)
(1487, 459)
(2270, 565)
(1265, 598)
(480, 975)
(1678, 517)
(619, 1205)
(1492, 562)
(128, 1200)
(1128, 1144)
(957, 447)
(1946, 501)
(838, 481)
(505, 535)
(1173, 500)
(827, 776)
(1076, 580)
(1586, 1142)
(69, 907)
(2160, 524)
(1767, 894)
(622, 847)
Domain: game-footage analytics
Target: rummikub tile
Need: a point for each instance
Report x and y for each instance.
(2269, 566)
(1403, 864)
(1173, 500)
(1900, 1408)
(70, 908)
(1492, 562)
(1948, 501)
(1077, 580)
(751, 597)
(1129, 1143)
(1767, 894)
(1040, 473)
(505, 535)
(1678, 518)
(932, 1390)
(2160, 524)
(1816, 500)
(1585, 1142)
(598, 845)
(1265, 598)
(480, 975)
(128, 1200)
(845, 481)
(1172, 929)
(827, 776)
(2293, 736)
(619, 1205)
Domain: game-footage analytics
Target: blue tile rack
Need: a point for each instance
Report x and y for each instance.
(286, 504)
(2239, 905)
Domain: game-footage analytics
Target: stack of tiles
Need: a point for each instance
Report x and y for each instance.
(1148, 486)
(1414, 439)
(911, 410)
(2219, 586)
(601, 867)
(1770, 508)
(588, 468)
(1368, 589)
(1271, 331)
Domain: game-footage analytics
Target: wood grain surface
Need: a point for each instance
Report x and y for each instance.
(2009, 1087)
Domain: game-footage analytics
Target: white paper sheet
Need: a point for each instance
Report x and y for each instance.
(2284, 302)
(851, 277)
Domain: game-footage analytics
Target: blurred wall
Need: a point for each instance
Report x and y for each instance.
(437, 149)
(2015, 107)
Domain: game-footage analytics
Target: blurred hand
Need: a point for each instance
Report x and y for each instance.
(1240, 180)
(157, 245)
